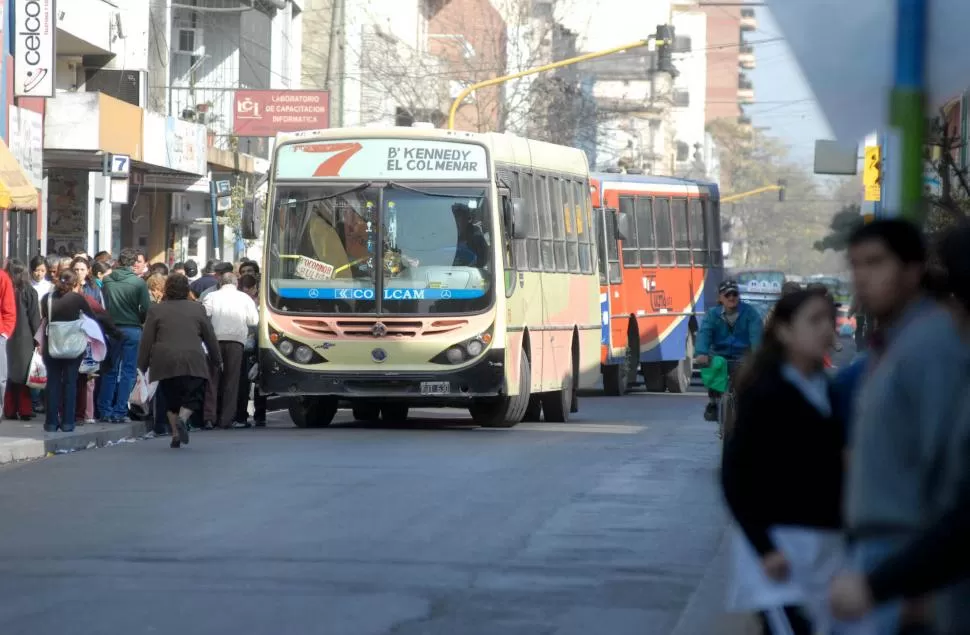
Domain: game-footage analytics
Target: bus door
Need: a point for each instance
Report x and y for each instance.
(608, 257)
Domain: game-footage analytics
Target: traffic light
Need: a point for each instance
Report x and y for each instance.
(782, 184)
(665, 48)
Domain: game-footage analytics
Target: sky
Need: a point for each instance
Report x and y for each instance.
(784, 103)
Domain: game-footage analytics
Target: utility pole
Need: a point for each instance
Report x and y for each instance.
(903, 150)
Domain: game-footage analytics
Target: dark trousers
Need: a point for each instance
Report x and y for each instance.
(61, 393)
(259, 399)
(17, 401)
(161, 417)
(789, 620)
(226, 382)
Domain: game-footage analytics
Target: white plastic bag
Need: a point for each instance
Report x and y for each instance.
(37, 375)
(88, 365)
(143, 391)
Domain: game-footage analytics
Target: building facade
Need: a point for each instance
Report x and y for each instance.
(142, 121)
(729, 54)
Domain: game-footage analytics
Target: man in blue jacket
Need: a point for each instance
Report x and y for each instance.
(729, 330)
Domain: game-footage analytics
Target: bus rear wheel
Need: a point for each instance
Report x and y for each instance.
(618, 379)
(677, 378)
(653, 377)
(533, 411)
(556, 404)
(313, 412)
(504, 411)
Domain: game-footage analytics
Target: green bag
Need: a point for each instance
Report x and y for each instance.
(715, 375)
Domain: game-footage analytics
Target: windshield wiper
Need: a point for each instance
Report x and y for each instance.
(393, 184)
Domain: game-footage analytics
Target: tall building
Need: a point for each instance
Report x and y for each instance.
(728, 56)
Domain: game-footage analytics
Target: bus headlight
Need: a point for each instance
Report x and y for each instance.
(297, 351)
(465, 351)
(304, 354)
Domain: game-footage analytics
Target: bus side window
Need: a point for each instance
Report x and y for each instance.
(713, 216)
(600, 243)
(630, 256)
(558, 227)
(646, 232)
(528, 253)
(665, 236)
(612, 249)
(545, 223)
(678, 208)
(583, 231)
(698, 232)
(572, 229)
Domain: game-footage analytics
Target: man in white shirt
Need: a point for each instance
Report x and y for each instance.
(232, 313)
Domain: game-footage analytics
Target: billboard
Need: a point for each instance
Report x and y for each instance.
(263, 113)
(34, 30)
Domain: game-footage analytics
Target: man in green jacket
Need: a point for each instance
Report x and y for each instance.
(127, 301)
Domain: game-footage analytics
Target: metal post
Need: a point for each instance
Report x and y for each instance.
(213, 198)
(532, 71)
(907, 108)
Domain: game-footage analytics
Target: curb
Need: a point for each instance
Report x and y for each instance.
(14, 449)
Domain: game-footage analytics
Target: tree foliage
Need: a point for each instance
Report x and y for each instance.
(845, 221)
(762, 231)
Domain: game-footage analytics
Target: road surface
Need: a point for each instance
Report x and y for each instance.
(609, 524)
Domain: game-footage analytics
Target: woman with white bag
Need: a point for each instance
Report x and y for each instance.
(782, 472)
(64, 345)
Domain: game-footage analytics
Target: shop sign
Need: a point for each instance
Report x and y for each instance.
(174, 144)
(263, 113)
(34, 29)
(27, 142)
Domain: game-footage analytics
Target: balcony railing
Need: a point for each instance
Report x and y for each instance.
(748, 20)
(746, 95)
(746, 58)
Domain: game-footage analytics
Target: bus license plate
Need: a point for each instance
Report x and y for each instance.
(435, 387)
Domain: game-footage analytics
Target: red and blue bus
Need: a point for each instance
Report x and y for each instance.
(659, 249)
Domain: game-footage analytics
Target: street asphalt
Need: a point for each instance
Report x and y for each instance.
(611, 523)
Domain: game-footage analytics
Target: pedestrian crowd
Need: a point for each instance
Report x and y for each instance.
(91, 326)
(850, 488)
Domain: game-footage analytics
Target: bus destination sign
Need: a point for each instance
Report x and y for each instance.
(376, 159)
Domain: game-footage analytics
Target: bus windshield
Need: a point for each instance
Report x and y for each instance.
(435, 253)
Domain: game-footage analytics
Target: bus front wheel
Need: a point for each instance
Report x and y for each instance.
(504, 411)
(313, 412)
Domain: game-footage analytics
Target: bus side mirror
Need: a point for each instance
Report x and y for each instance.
(624, 228)
(520, 224)
(250, 219)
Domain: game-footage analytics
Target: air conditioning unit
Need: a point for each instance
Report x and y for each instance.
(188, 42)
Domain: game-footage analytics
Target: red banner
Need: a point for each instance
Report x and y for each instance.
(263, 113)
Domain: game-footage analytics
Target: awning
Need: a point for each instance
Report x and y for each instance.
(16, 190)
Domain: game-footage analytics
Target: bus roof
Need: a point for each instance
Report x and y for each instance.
(504, 148)
(654, 179)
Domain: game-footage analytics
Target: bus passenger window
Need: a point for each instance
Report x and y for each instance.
(712, 216)
(646, 234)
(681, 238)
(631, 257)
(698, 232)
(558, 228)
(531, 259)
(665, 237)
(600, 244)
(545, 223)
(572, 238)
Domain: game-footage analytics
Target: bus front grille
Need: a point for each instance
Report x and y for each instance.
(368, 328)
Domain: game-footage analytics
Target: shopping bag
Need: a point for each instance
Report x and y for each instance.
(88, 365)
(37, 375)
(143, 391)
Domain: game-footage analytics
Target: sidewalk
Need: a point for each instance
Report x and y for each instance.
(26, 440)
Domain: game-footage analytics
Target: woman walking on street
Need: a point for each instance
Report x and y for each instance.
(172, 354)
(62, 305)
(20, 346)
(783, 468)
